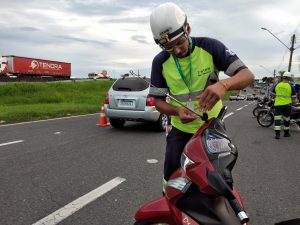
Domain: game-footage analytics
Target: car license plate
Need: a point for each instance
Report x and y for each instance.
(126, 103)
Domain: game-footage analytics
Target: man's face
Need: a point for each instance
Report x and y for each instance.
(179, 47)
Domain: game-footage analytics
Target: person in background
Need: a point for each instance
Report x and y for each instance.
(184, 68)
(285, 95)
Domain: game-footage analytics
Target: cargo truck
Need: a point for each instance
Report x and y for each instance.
(27, 68)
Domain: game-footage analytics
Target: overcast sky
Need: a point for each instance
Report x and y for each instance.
(115, 35)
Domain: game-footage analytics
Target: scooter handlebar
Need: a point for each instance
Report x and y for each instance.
(217, 182)
(241, 214)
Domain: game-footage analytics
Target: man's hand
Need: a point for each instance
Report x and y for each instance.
(211, 95)
(186, 115)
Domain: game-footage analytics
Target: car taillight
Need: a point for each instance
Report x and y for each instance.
(150, 101)
(106, 98)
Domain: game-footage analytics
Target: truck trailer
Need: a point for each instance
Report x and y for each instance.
(26, 68)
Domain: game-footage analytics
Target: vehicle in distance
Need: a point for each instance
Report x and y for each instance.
(128, 99)
(233, 97)
(237, 97)
(102, 75)
(250, 97)
(18, 66)
(241, 97)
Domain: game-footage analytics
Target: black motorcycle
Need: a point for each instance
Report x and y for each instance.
(265, 117)
(262, 104)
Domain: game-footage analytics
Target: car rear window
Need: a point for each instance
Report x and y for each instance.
(131, 84)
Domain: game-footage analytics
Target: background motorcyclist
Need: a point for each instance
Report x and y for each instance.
(184, 69)
(285, 95)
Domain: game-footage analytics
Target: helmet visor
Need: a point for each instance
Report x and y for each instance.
(178, 43)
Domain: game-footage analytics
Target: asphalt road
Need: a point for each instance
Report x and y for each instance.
(46, 165)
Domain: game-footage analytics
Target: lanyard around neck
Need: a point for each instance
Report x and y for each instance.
(186, 82)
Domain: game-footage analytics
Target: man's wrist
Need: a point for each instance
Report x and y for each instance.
(224, 84)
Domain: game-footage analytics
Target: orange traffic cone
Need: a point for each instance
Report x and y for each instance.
(102, 118)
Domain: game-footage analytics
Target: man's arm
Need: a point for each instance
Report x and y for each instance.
(239, 81)
(215, 92)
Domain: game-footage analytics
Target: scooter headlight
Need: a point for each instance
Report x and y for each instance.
(185, 162)
(217, 143)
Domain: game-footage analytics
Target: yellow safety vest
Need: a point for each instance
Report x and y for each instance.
(202, 67)
(283, 94)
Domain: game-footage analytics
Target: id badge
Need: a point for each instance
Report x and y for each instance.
(190, 105)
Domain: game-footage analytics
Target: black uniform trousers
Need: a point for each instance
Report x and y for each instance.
(285, 111)
(176, 140)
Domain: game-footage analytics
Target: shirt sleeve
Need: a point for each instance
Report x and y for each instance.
(224, 59)
(159, 86)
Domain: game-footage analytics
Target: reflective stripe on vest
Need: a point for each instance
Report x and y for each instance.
(187, 97)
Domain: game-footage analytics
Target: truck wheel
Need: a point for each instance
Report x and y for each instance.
(117, 123)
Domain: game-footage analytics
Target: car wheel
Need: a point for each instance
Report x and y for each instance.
(117, 123)
(162, 122)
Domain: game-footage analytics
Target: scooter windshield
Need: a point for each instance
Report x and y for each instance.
(216, 139)
(217, 144)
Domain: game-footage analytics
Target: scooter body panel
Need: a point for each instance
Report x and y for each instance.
(159, 211)
(193, 197)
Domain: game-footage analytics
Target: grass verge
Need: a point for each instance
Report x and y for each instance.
(20, 102)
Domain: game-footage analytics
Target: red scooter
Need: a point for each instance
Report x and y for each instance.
(201, 192)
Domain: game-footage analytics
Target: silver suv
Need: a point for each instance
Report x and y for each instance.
(129, 99)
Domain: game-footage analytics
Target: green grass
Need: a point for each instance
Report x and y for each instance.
(20, 102)
(23, 101)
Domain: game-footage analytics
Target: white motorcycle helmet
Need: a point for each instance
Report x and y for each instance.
(167, 23)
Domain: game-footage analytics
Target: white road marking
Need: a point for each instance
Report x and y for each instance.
(152, 161)
(37, 121)
(58, 132)
(79, 203)
(11, 143)
(229, 114)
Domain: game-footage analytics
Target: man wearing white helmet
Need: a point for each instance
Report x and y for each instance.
(184, 69)
(284, 94)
